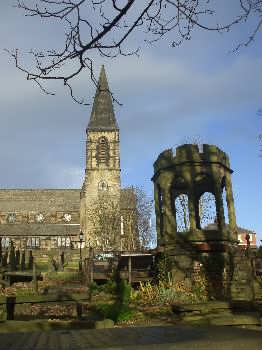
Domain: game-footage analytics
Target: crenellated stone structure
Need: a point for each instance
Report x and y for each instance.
(191, 172)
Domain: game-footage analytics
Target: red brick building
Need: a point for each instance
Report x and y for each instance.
(243, 235)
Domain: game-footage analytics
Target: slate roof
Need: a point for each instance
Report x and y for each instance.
(39, 230)
(47, 200)
(102, 115)
(13, 200)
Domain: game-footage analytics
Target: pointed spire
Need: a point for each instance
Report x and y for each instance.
(102, 115)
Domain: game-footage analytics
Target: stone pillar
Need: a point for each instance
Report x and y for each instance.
(230, 203)
(192, 211)
(157, 191)
(168, 215)
(219, 207)
(196, 211)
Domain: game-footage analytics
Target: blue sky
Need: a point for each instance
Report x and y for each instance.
(199, 89)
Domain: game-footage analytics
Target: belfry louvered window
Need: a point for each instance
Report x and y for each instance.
(102, 151)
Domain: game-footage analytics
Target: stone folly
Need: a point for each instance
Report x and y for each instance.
(52, 218)
(181, 181)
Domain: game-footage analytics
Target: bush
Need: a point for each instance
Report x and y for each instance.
(166, 293)
(120, 310)
(117, 312)
(125, 313)
(110, 287)
(124, 292)
(2, 313)
(162, 267)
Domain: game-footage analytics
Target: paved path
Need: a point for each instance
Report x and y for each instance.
(173, 337)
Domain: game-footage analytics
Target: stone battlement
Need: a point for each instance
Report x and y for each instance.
(191, 153)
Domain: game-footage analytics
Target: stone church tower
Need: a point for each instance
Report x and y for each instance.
(102, 173)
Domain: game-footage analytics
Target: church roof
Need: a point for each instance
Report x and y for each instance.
(39, 230)
(102, 115)
(46, 200)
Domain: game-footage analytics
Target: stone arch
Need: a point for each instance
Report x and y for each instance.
(179, 183)
(203, 183)
(182, 213)
(102, 151)
(207, 210)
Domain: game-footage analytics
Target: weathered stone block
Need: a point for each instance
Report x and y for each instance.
(236, 319)
(107, 323)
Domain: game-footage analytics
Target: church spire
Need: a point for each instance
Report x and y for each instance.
(102, 115)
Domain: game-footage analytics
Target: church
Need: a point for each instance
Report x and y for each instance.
(102, 211)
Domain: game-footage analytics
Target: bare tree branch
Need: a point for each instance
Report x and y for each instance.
(104, 26)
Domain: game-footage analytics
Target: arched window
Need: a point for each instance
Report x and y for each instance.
(207, 211)
(224, 197)
(182, 213)
(122, 225)
(102, 151)
(102, 185)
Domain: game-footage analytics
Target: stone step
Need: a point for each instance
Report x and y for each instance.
(251, 318)
(236, 319)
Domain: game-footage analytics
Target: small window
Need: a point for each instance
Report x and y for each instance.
(207, 210)
(122, 225)
(103, 186)
(11, 218)
(33, 243)
(5, 242)
(182, 213)
(239, 237)
(63, 242)
(102, 151)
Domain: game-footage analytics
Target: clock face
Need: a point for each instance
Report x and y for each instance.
(39, 217)
(67, 217)
(11, 218)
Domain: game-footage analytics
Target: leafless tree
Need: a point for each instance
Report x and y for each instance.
(104, 26)
(143, 214)
(104, 220)
(125, 226)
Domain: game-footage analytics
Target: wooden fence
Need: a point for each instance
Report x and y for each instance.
(133, 267)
